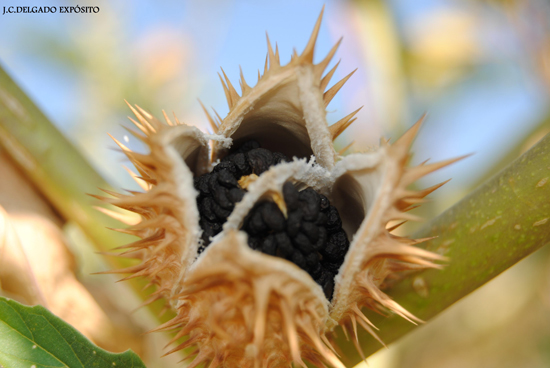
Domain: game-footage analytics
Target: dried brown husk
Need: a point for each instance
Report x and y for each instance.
(242, 308)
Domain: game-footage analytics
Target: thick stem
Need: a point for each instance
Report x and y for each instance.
(59, 172)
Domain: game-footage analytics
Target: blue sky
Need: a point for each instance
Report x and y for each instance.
(485, 113)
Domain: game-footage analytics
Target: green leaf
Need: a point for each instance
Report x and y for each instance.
(34, 337)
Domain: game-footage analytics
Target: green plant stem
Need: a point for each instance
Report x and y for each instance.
(59, 172)
(55, 166)
(513, 151)
(497, 225)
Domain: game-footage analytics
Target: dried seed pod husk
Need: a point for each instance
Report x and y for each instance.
(242, 308)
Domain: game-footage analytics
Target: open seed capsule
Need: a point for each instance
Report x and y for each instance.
(243, 276)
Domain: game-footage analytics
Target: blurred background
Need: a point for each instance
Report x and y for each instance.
(481, 69)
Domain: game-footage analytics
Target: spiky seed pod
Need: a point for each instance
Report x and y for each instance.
(237, 306)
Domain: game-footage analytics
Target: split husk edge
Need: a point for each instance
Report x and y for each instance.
(498, 224)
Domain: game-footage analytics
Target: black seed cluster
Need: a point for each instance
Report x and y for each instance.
(219, 190)
(311, 236)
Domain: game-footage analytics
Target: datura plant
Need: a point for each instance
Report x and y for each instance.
(261, 237)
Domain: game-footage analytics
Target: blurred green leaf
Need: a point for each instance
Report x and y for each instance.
(55, 166)
(61, 174)
(33, 337)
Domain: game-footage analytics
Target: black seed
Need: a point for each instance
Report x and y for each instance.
(328, 288)
(241, 162)
(311, 244)
(256, 224)
(238, 162)
(302, 242)
(332, 267)
(336, 248)
(221, 213)
(209, 230)
(315, 271)
(294, 222)
(247, 146)
(311, 230)
(254, 242)
(263, 216)
(226, 178)
(221, 197)
(312, 260)
(272, 216)
(322, 241)
(205, 209)
(291, 196)
(230, 157)
(235, 195)
(321, 219)
(227, 165)
(219, 193)
(201, 184)
(324, 202)
(311, 236)
(284, 245)
(326, 280)
(324, 276)
(213, 184)
(269, 246)
(334, 222)
(311, 204)
(298, 259)
(260, 160)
